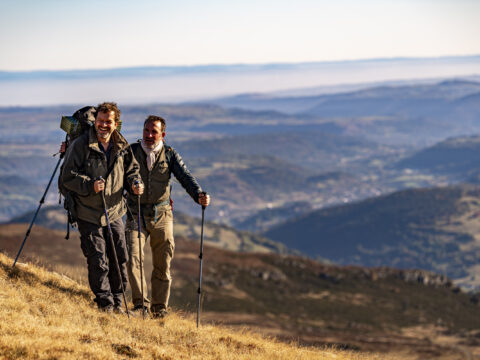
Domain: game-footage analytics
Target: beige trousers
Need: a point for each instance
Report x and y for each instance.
(160, 233)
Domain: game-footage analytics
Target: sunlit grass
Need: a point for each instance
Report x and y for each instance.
(44, 315)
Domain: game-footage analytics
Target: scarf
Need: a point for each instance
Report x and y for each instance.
(151, 153)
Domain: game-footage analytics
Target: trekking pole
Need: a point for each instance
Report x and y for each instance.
(42, 200)
(112, 243)
(137, 183)
(199, 291)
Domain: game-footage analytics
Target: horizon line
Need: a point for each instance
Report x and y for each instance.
(239, 64)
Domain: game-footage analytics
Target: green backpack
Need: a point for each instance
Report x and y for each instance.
(76, 125)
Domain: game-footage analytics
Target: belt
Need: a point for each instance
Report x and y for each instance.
(153, 207)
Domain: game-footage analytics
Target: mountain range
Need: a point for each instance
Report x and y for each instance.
(255, 160)
(143, 85)
(414, 114)
(282, 166)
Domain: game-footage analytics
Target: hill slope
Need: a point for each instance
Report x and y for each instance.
(46, 316)
(458, 157)
(415, 313)
(435, 229)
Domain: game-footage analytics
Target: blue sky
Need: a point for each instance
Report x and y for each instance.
(62, 34)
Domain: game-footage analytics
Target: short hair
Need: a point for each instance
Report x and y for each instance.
(153, 118)
(108, 107)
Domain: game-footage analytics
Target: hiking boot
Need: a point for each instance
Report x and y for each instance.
(141, 311)
(159, 314)
(106, 309)
(117, 309)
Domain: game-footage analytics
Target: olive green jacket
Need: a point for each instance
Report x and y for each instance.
(85, 162)
(156, 195)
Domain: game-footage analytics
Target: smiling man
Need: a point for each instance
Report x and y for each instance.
(157, 162)
(102, 152)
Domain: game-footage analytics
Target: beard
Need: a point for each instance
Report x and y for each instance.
(103, 135)
(151, 144)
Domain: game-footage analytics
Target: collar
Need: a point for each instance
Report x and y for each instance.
(117, 140)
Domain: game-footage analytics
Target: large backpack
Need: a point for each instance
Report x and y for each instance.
(76, 125)
(79, 122)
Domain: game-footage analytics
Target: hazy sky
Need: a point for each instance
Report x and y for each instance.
(62, 34)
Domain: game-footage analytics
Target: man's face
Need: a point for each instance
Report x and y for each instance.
(105, 125)
(152, 134)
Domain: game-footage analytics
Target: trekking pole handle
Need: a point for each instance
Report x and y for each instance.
(65, 146)
(137, 184)
(204, 193)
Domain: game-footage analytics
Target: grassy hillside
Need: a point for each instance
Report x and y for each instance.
(44, 315)
(435, 229)
(417, 314)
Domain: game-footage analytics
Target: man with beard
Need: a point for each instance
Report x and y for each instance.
(157, 162)
(100, 161)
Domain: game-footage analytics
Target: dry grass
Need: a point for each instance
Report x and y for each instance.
(44, 315)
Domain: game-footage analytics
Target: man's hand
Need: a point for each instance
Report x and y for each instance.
(99, 185)
(138, 187)
(62, 147)
(204, 199)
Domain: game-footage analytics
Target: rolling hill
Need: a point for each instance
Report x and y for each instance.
(409, 313)
(251, 155)
(250, 161)
(416, 114)
(435, 229)
(458, 157)
(372, 100)
(411, 100)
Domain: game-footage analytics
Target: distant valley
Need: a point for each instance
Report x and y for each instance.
(368, 177)
(255, 160)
